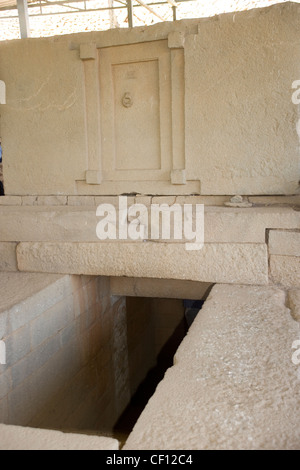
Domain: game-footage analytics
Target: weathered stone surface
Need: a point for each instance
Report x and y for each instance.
(66, 352)
(247, 225)
(284, 243)
(221, 120)
(78, 223)
(52, 200)
(18, 287)
(294, 303)
(285, 270)
(233, 385)
(229, 263)
(29, 200)
(8, 259)
(39, 223)
(163, 288)
(209, 102)
(21, 438)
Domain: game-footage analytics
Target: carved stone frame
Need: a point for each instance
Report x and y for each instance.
(95, 181)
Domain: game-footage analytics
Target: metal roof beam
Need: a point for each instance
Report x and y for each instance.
(23, 18)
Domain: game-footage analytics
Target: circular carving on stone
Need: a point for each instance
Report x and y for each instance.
(127, 100)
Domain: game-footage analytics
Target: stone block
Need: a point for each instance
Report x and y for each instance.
(176, 40)
(17, 345)
(284, 242)
(52, 200)
(230, 263)
(8, 259)
(25, 296)
(93, 177)
(21, 438)
(10, 201)
(29, 200)
(34, 360)
(285, 270)
(178, 177)
(81, 200)
(5, 383)
(51, 321)
(78, 223)
(88, 51)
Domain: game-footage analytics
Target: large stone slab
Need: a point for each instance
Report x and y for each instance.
(227, 85)
(221, 263)
(78, 223)
(24, 438)
(163, 288)
(233, 385)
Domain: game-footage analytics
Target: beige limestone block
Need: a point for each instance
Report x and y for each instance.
(284, 243)
(78, 223)
(233, 385)
(10, 200)
(285, 270)
(38, 223)
(229, 263)
(8, 259)
(163, 288)
(16, 287)
(24, 438)
(247, 225)
(29, 200)
(222, 118)
(52, 200)
(81, 201)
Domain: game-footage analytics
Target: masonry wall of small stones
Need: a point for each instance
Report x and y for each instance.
(75, 356)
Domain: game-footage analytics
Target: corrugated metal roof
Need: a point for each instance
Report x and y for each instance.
(10, 3)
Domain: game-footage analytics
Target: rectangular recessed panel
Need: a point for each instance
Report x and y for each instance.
(137, 117)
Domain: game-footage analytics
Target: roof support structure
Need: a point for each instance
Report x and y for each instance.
(23, 18)
(24, 6)
(130, 13)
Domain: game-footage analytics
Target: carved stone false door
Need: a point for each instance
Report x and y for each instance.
(135, 104)
(135, 118)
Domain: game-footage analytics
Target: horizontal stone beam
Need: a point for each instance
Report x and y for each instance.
(220, 263)
(163, 288)
(284, 242)
(78, 223)
(285, 270)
